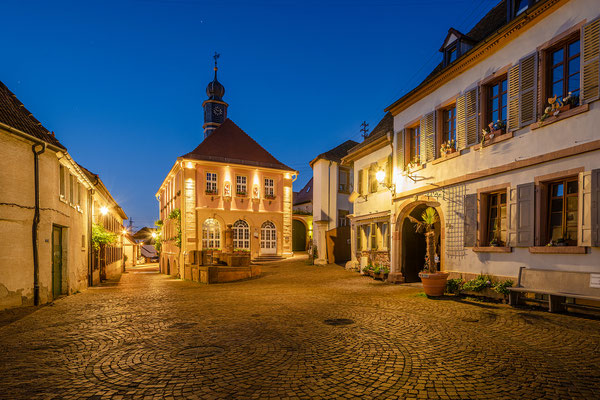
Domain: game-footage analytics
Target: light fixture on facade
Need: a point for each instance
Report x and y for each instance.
(103, 210)
(189, 165)
(380, 176)
(154, 235)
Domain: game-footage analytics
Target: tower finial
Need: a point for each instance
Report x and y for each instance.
(216, 57)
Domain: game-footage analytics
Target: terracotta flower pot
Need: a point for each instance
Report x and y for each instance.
(434, 284)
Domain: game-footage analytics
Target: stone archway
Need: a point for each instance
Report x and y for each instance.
(408, 247)
(299, 233)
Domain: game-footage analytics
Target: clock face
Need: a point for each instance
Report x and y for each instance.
(218, 110)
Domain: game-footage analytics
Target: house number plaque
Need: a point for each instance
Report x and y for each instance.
(595, 280)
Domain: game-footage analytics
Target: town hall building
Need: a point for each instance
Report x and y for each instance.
(228, 185)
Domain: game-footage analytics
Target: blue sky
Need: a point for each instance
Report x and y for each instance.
(122, 82)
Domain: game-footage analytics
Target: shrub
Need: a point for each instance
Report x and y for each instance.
(454, 285)
(478, 284)
(502, 286)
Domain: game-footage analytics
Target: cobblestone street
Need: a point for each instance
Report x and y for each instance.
(152, 337)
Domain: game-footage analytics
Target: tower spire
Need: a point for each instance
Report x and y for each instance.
(216, 57)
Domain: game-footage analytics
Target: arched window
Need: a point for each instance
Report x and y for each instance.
(241, 235)
(211, 234)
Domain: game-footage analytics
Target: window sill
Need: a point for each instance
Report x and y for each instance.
(445, 158)
(557, 250)
(492, 249)
(550, 120)
(495, 140)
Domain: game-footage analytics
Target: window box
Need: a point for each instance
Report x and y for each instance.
(561, 115)
(269, 197)
(241, 194)
(557, 250)
(492, 249)
(211, 192)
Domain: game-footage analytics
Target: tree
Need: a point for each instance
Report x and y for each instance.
(426, 227)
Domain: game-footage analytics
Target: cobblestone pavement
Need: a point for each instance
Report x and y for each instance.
(153, 337)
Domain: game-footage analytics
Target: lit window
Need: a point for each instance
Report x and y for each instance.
(496, 223)
(211, 183)
(211, 234)
(562, 211)
(241, 235)
(269, 188)
(241, 185)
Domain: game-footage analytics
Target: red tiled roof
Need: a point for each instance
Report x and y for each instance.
(230, 144)
(14, 114)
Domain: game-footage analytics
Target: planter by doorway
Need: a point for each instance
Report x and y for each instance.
(434, 284)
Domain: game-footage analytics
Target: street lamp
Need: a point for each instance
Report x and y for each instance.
(154, 235)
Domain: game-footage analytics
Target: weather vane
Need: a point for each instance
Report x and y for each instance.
(216, 57)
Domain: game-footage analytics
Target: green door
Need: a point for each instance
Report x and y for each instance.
(57, 252)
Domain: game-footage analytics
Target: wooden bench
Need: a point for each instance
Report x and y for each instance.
(558, 285)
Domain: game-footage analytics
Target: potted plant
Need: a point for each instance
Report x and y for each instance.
(448, 147)
(434, 282)
(384, 272)
(571, 101)
(414, 163)
(376, 272)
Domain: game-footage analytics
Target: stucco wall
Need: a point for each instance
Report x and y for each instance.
(16, 251)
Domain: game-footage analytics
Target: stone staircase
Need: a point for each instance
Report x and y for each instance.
(267, 258)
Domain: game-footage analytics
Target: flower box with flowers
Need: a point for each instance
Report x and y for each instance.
(241, 194)
(270, 196)
(494, 129)
(414, 163)
(448, 147)
(211, 192)
(557, 105)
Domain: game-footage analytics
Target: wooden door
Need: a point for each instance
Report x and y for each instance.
(57, 257)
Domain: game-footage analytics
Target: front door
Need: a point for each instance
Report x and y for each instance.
(57, 257)
(268, 238)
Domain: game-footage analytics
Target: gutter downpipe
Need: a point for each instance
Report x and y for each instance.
(36, 222)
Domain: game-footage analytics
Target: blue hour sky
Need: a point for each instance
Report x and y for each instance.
(122, 82)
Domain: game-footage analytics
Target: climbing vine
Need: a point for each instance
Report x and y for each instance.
(176, 215)
(101, 237)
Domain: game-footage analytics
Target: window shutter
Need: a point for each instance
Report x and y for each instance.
(512, 120)
(512, 217)
(470, 220)
(525, 214)
(584, 217)
(472, 116)
(595, 208)
(527, 89)
(361, 179)
(461, 134)
(389, 170)
(401, 156)
(590, 60)
(428, 137)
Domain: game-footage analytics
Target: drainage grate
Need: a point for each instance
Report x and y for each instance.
(200, 352)
(338, 321)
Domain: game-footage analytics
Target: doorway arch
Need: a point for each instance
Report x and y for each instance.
(298, 235)
(410, 246)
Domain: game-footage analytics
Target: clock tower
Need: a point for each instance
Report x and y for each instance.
(215, 109)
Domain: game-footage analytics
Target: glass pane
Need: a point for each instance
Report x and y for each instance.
(495, 104)
(504, 85)
(493, 200)
(574, 65)
(557, 73)
(572, 218)
(503, 198)
(495, 116)
(557, 57)
(493, 213)
(556, 219)
(556, 205)
(494, 90)
(572, 187)
(574, 48)
(504, 99)
(571, 233)
(574, 83)
(557, 190)
(557, 88)
(502, 212)
(572, 203)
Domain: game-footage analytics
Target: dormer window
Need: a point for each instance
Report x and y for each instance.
(451, 54)
(455, 45)
(518, 7)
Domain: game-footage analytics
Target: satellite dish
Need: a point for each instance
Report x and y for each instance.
(353, 197)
